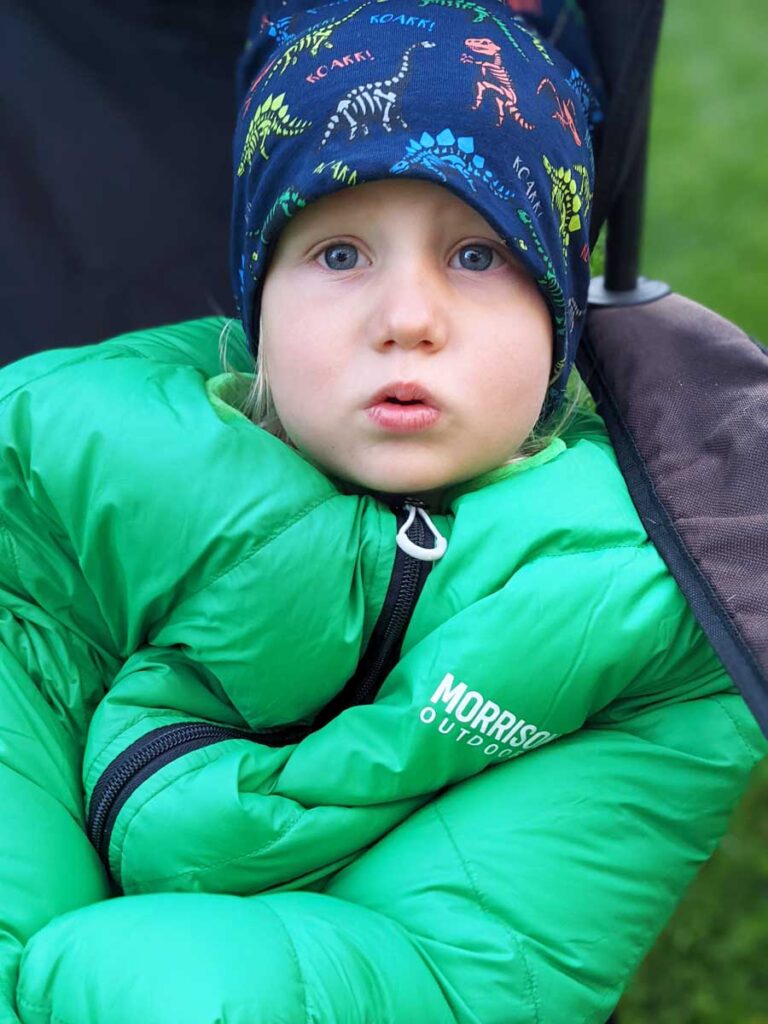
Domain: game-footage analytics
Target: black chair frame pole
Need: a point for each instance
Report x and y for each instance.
(625, 36)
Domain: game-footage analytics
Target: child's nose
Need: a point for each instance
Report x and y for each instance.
(413, 312)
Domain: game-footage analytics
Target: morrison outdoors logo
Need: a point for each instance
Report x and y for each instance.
(467, 717)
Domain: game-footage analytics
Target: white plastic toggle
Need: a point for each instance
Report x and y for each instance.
(405, 543)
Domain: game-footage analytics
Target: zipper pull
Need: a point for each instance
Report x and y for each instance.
(405, 543)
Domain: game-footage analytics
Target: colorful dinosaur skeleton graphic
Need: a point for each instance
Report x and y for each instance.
(579, 86)
(565, 111)
(288, 202)
(548, 280)
(317, 36)
(446, 152)
(380, 102)
(270, 118)
(569, 197)
(253, 87)
(339, 171)
(277, 29)
(585, 192)
(534, 37)
(495, 79)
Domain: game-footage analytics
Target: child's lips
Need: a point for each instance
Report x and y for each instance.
(403, 419)
(403, 407)
(404, 391)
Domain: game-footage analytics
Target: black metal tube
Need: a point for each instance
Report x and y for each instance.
(624, 230)
(625, 35)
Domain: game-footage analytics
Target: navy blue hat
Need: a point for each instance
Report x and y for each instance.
(458, 93)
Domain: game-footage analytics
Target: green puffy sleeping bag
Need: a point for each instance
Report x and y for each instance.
(261, 765)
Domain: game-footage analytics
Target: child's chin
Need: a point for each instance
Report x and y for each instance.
(408, 485)
(404, 473)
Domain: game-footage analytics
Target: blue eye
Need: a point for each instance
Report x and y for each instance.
(341, 256)
(345, 256)
(478, 257)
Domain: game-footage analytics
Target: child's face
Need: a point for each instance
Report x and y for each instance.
(374, 287)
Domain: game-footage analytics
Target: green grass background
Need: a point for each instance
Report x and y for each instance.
(707, 200)
(707, 236)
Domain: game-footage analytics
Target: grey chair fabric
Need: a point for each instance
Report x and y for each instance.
(685, 396)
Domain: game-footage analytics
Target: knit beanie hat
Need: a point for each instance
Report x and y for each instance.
(460, 93)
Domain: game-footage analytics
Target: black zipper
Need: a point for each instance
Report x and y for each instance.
(151, 752)
(383, 651)
(139, 761)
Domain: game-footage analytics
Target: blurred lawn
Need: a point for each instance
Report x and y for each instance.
(708, 967)
(707, 203)
(707, 236)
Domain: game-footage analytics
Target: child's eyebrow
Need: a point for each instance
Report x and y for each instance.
(359, 223)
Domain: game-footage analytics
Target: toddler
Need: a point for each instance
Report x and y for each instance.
(387, 708)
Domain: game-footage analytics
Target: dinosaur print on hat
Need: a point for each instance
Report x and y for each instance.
(565, 111)
(344, 94)
(377, 102)
(444, 152)
(270, 118)
(571, 198)
(494, 79)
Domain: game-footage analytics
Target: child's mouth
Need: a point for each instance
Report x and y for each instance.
(403, 407)
(403, 418)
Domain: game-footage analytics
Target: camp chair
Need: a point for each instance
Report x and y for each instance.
(692, 454)
(684, 393)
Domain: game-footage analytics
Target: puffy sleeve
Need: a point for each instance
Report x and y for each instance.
(535, 889)
(525, 895)
(206, 811)
(110, 508)
(47, 865)
(49, 426)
